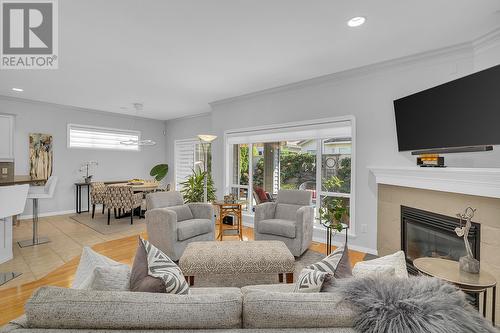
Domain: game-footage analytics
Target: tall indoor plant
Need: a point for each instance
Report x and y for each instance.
(193, 187)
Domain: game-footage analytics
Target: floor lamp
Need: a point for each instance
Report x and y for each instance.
(206, 139)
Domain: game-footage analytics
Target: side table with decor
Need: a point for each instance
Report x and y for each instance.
(449, 270)
(229, 209)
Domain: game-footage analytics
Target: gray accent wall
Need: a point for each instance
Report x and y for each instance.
(368, 94)
(46, 118)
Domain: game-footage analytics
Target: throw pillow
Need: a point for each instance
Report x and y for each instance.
(161, 266)
(337, 263)
(310, 281)
(111, 278)
(417, 304)
(396, 260)
(139, 278)
(369, 270)
(89, 260)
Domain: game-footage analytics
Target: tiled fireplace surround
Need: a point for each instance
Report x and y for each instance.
(391, 198)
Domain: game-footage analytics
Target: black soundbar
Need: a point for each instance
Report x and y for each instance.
(452, 150)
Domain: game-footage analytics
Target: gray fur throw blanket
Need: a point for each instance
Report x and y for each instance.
(414, 305)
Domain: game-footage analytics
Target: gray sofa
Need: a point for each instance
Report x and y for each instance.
(290, 219)
(172, 225)
(266, 308)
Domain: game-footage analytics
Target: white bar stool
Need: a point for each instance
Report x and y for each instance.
(12, 202)
(35, 193)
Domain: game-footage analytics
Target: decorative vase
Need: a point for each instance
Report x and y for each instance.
(469, 265)
(88, 179)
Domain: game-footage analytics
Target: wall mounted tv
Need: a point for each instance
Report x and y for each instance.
(461, 115)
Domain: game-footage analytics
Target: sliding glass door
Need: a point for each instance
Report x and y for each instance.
(314, 160)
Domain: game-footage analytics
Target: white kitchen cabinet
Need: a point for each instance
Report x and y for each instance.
(6, 137)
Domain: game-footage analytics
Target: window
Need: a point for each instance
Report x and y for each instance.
(189, 156)
(314, 157)
(83, 136)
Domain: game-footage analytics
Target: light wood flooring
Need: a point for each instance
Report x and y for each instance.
(55, 263)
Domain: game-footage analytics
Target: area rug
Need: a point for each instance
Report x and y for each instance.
(100, 223)
(216, 280)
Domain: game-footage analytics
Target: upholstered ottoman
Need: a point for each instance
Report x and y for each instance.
(237, 263)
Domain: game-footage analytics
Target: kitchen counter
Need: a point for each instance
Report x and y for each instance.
(19, 180)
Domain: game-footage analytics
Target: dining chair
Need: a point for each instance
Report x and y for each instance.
(122, 197)
(97, 193)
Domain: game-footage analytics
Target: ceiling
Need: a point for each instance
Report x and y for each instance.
(175, 57)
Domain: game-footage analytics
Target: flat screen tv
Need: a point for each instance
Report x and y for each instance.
(461, 113)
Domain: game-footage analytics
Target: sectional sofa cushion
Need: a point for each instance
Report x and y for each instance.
(140, 280)
(56, 308)
(264, 309)
(183, 212)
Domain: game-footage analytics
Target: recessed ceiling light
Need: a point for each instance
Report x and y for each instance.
(18, 89)
(356, 21)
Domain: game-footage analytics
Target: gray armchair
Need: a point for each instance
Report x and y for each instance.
(290, 219)
(172, 225)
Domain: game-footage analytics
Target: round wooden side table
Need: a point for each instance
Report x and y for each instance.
(448, 270)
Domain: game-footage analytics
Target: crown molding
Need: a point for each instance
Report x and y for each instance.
(73, 108)
(466, 48)
(202, 114)
(486, 40)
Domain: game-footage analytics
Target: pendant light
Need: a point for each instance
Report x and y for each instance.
(146, 142)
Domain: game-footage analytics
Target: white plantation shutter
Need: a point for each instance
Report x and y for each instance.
(83, 136)
(184, 160)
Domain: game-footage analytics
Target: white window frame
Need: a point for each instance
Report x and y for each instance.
(314, 125)
(109, 130)
(192, 141)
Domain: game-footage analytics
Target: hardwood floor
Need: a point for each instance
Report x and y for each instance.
(73, 236)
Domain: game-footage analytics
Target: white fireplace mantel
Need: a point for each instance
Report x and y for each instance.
(483, 182)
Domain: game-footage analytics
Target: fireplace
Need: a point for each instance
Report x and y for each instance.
(426, 234)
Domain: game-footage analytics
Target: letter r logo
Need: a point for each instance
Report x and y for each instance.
(27, 28)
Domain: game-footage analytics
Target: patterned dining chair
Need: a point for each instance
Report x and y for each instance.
(97, 193)
(122, 198)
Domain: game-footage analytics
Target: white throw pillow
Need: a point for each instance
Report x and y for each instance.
(88, 262)
(396, 260)
(368, 270)
(111, 278)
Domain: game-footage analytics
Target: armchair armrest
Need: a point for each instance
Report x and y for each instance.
(305, 221)
(264, 211)
(201, 210)
(161, 225)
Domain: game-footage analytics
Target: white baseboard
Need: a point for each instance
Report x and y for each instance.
(319, 236)
(62, 212)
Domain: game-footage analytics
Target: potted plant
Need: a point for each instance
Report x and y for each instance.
(193, 187)
(335, 212)
(159, 171)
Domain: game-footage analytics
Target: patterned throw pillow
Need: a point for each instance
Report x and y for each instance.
(330, 264)
(310, 281)
(161, 266)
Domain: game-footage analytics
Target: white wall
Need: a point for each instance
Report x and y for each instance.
(184, 128)
(113, 165)
(367, 94)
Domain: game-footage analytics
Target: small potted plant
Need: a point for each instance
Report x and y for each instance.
(334, 213)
